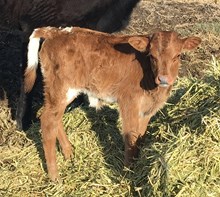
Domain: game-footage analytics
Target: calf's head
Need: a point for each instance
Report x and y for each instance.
(164, 50)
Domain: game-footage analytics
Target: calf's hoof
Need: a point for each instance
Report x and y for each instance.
(68, 152)
(131, 155)
(54, 178)
(53, 175)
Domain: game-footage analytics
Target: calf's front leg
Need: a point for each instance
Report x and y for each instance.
(134, 126)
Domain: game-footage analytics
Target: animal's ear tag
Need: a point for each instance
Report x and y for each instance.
(139, 43)
(191, 42)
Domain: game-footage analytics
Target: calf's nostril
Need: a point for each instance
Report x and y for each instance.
(163, 81)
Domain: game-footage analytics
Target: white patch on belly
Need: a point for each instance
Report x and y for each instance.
(71, 94)
(93, 101)
(98, 102)
(110, 99)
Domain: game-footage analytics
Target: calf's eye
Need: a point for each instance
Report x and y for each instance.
(176, 58)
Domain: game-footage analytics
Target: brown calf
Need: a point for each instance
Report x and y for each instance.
(137, 72)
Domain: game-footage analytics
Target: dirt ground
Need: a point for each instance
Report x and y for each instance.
(201, 18)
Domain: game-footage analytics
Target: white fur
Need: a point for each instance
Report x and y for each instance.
(110, 99)
(68, 29)
(71, 94)
(33, 48)
(94, 102)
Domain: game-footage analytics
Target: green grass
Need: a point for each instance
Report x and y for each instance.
(180, 157)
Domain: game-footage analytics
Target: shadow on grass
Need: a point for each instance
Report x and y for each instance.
(34, 134)
(104, 123)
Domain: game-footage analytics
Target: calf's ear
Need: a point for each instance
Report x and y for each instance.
(139, 43)
(191, 42)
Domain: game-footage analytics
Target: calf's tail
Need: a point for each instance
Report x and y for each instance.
(32, 54)
(32, 63)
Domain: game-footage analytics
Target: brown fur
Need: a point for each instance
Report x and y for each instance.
(30, 77)
(136, 71)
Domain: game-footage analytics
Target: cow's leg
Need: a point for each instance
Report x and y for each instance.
(24, 104)
(52, 128)
(134, 127)
(63, 140)
(49, 134)
(21, 107)
(132, 141)
(24, 109)
(62, 137)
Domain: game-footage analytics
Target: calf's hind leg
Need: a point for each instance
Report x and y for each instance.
(49, 134)
(64, 142)
(52, 129)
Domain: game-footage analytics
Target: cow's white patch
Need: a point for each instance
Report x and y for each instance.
(93, 101)
(33, 48)
(71, 94)
(110, 99)
(68, 29)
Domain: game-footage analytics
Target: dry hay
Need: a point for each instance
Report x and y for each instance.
(181, 154)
